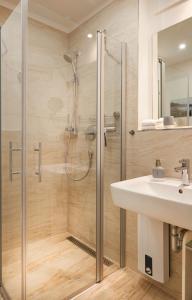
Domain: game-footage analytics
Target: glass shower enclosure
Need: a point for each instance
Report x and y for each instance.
(62, 144)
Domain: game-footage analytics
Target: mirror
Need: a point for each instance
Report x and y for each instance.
(175, 74)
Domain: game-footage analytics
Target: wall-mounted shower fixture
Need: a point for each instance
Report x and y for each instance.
(72, 129)
(90, 133)
(108, 129)
(73, 63)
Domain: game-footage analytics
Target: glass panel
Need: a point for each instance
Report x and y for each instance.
(112, 149)
(61, 153)
(11, 131)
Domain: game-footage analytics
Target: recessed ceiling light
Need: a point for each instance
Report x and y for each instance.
(182, 46)
(89, 35)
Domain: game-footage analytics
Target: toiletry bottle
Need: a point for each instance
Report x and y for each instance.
(185, 177)
(158, 171)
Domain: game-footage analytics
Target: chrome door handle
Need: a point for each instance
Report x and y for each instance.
(39, 151)
(11, 150)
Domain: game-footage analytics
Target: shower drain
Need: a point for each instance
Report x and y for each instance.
(88, 250)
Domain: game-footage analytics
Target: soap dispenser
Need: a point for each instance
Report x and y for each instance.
(158, 171)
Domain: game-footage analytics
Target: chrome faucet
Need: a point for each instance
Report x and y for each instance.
(185, 171)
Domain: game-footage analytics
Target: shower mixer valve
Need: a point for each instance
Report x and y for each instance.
(72, 130)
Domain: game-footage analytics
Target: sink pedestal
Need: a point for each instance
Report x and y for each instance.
(153, 248)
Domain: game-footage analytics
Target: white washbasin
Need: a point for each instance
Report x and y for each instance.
(160, 200)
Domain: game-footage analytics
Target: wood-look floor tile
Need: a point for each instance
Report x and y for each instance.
(124, 285)
(56, 269)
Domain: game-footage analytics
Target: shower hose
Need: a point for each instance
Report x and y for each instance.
(90, 157)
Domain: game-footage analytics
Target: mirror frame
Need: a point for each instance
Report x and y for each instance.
(154, 18)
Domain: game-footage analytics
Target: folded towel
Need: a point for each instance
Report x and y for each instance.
(149, 122)
(152, 124)
(160, 121)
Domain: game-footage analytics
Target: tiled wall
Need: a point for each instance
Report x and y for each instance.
(121, 21)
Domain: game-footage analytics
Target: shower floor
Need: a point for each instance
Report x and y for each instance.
(57, 270)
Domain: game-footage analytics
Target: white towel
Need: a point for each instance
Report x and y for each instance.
(149, 122)
(152, 124)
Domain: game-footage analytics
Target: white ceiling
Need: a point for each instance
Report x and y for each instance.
(169, 40)
(65, 15)
(163, 5)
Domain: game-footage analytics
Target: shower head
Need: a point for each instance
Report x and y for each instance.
(67, 58)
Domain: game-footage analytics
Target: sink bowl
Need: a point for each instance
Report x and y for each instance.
(164, 200)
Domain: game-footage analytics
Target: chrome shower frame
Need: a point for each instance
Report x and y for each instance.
(100, 155)
(24, 24)
(123, 150)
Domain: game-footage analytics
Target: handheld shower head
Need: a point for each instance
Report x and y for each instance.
(68, 59)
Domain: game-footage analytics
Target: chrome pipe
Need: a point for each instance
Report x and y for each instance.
(24, 37)
(174, 238)
(177, 235)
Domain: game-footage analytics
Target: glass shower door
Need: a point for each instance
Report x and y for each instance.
(110, 152)
(61, 153)
(112, 147)
(11, 143)
(69, 148)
